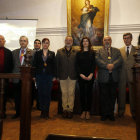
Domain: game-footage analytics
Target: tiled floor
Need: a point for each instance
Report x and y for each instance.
(123, 129)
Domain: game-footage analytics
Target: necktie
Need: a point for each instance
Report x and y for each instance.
(21, 56)
(108, 51)
(127, 51)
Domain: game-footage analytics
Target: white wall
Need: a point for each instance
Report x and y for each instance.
(124, 17)
(52, 18)
(51, 15)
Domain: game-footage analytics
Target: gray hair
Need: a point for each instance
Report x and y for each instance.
(23, 36)
(69, 36)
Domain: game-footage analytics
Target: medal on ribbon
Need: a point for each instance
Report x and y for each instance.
(109, 57)
(45, 64)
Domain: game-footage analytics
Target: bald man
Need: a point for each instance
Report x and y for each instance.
(6, 66)
(108, 60)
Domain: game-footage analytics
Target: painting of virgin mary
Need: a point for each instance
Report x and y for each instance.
(87, 19)
(88, 14)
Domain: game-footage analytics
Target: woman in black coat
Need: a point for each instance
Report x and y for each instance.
(85, 65)
(45, 74)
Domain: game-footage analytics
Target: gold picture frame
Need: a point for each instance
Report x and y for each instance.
(101, 17)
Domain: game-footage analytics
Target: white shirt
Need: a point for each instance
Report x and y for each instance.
(23, 56)
(130, 47)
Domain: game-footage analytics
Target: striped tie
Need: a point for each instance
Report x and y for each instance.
(21, 56)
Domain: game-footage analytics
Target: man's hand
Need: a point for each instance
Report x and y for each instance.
(110, 67)
(10, 80)
(83, 77)
(34, 79)
(58, 80)
(53, 79)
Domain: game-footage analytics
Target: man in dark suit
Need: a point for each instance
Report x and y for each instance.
(37, 47)
(66, 74)
(108, 60)
(18, 60)
(6, 66)
(126, 77)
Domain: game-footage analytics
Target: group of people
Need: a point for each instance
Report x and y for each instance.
(70, 65)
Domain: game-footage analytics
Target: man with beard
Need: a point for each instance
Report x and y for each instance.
(66, 74)
(108, 60)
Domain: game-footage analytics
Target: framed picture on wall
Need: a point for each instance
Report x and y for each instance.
(88, 18)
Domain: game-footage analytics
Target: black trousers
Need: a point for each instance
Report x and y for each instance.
(35, 95)
(85, 93)
(5, 96)
(17, 96)
(108, 96)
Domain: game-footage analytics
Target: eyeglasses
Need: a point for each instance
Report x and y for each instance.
(45, 43)
(107, 39)
(1, 39)
(126, 38)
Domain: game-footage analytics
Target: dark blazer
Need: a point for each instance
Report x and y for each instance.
(16, 62)
(66, 67)
(102, 61)
(8, 61)
(38, 63)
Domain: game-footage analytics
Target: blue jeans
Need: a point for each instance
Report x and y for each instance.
(44, 85)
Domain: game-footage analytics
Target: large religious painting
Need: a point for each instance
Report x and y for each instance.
(88, 18)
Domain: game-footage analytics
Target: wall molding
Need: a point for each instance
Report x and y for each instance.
(120, 29)
(57, 31)
(113, 29)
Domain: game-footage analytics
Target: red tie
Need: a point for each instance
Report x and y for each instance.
(21, 56)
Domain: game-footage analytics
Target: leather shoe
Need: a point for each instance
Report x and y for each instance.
(103, 118)
(38, 107)
(65, 114)
(134, 117)
(111, 117)
(42, 114)
(15, 116)
(4, 116)
(46, 115)
(70, 115)
(119, 115)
